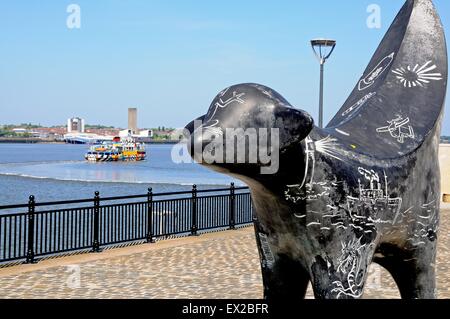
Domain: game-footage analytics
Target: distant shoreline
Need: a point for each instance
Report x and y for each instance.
(27, 140)
(31, 140)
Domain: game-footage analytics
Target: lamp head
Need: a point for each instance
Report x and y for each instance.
(323, 48)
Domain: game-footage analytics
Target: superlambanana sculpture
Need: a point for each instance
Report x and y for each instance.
(364, 189)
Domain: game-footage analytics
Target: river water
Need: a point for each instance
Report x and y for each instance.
(58, 172)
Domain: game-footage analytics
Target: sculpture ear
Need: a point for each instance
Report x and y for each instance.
(295, 125)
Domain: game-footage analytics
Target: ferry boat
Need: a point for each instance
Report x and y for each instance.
(125, 149)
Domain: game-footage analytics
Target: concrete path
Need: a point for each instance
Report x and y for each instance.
(444, 160)
(217, 265)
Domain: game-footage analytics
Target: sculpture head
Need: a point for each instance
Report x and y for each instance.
(247, 131)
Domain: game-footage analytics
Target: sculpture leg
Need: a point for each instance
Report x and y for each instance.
(413, 271)
(283, 277)
(285, 280)
(341, 277)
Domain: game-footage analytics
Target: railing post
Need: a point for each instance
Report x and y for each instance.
(30, 217)
(96, 223)
(150, 237)
(194, 227)
(232, 207)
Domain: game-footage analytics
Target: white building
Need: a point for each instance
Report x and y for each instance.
(75, 125)
(20, 130)
(140, 136)
(85, 138)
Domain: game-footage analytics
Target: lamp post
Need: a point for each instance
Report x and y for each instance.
(322, 49)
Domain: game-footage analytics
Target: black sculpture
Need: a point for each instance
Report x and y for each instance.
(366, 188)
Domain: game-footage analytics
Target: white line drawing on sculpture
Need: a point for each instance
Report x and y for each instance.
(313, 224)
(429, 224)
(212, 129)
(399, 128)
(328, 146)
(309, 156)
(372, 196)
(313, 191)
(352, 265)
(267, 93)
(371, 175)
(347, 253)
(428, 205)
(235, 98)
(223, 92)
(417, 76)
(342, 132)
(355, 107)
(371, 78)
(267, 252)
(210, 125)
(403, 214)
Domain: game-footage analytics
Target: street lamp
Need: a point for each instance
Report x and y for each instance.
(322, 49)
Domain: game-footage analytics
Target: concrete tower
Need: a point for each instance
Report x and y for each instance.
(132, 119)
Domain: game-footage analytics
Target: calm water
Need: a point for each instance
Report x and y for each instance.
(58, 172)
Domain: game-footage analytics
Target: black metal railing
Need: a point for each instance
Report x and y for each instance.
(36, 229)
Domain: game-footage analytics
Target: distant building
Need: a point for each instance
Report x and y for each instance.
(19, 130)
(75, 125)
(85, 138)
(144, 136)
(132, 120)
(104, 131)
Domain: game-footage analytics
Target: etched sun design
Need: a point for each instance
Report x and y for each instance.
(417, 76)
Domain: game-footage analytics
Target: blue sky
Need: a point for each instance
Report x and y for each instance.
(170, 58)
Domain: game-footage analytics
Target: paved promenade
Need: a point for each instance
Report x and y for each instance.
(444, 160)
(217, 265)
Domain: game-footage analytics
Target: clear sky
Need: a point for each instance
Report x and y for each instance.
(170, 58)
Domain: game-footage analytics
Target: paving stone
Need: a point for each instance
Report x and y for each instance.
(224, 267)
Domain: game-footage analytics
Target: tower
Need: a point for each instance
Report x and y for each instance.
(132, 120)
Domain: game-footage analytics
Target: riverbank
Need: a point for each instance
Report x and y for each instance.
(28, 140)
(33, 140)
(163, 142)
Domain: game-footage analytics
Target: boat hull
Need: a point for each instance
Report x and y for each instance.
(115, 157)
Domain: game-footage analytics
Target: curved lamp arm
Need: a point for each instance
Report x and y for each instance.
(320, 43)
